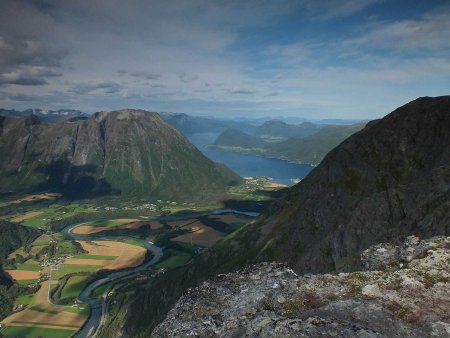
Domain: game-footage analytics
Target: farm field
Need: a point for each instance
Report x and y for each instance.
(36, 332)
(26, 216)
(50, 196)
(96, 227)
(128, 255)
(67, 266)
(38, 317)
(73, 287)
(19, 275)
(199, 234)
(176, 258)
(42, 315)
(207, 231)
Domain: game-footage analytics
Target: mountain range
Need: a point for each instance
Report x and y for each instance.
(125, 152)
(386, 182)
(279, 129)
(189, 124)
(46, 115)
(304, 143)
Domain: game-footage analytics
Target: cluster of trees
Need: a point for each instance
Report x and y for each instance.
(12, 237)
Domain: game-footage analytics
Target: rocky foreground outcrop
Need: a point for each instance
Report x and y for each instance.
(408, 295)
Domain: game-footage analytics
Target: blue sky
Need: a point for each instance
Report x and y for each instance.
(315, 59)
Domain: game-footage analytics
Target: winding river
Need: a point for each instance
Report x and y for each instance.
(91, 326)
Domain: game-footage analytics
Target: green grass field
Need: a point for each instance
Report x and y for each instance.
(41, 242)
(109, 223)
(81, 309)
(28, 267)
(42, 323)
(34, 332)
(132, 242)
(176, 259)
(66, 269)
(73, 287)
(25, 299)
(101, 257)
(98, 292)
(56, 211)
(26, 282)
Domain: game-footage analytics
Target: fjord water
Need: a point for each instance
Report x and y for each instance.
(249, 164)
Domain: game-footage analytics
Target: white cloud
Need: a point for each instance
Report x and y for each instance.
(431, 32)
(159, 55)
(330, 9)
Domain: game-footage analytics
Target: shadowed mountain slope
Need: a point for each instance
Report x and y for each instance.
(390, 180)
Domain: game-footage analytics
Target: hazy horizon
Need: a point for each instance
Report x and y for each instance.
(351, 59)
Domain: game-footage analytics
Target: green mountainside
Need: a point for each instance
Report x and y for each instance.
(237, 138)
(12, 236)
(125, 152)
(309, 149)
(312, 149)
(277, 128)
(386, 182)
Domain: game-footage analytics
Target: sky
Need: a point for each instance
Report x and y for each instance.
(351, 59)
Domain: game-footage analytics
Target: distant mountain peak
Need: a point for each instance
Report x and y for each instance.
(46, 115)
(274, 122)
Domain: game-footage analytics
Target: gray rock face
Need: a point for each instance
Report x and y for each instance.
(385, 254)
(270, 300)
(386, 182)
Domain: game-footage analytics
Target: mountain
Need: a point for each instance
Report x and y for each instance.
(237, 138)
(258, 120)
(278, 128)
(382, 184)
(312, 149)
(47, 115)
(124, 152)
(188, 124)
(340, 121)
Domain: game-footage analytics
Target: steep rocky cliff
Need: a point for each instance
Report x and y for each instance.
(126, 152)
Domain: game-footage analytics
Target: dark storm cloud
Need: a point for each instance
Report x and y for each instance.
(24, 51)
(107, 87)
(28, 76)
(22, 81)
(28, 51)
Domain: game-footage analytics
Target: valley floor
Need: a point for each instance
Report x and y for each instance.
(54, 269)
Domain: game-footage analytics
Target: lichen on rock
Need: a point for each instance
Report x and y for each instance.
(410, 299)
